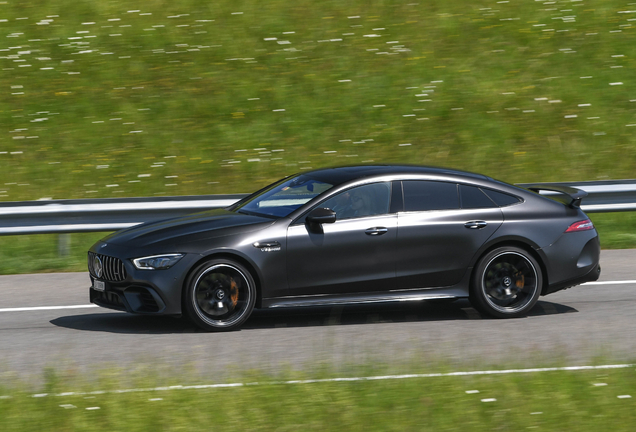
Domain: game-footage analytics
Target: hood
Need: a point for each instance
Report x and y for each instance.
(209, 224)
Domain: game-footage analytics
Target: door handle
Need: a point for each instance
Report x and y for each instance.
(376, 231)
(476, 224)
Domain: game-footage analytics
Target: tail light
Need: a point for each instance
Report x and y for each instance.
(583, 225)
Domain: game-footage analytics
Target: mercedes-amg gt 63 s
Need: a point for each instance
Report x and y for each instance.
(353, 235)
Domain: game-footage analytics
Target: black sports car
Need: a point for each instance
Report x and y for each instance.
(353, 235)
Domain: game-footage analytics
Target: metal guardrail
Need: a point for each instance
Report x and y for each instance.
(70, 216)
(93, 215)
(604, 196)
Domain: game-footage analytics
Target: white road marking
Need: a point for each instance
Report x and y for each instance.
(611, 282)
(39, 308)
(344, 379)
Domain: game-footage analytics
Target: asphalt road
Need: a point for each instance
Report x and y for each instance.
(577, 326)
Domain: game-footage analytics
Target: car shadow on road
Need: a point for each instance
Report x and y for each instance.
(460, 310)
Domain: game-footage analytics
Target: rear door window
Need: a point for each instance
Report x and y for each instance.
(424, 195)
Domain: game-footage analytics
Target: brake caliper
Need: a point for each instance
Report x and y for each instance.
(234, 292)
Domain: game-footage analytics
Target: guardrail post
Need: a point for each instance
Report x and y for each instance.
(64, 244)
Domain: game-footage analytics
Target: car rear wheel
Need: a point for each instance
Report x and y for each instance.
(219, 295)
(506, 283)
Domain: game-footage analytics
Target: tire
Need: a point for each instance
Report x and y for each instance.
(507, 283)
(219, 295)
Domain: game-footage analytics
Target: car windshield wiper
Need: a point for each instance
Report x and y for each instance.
(252, 213)
(245, 212)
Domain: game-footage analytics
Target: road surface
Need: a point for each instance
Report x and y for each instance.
(576, 326)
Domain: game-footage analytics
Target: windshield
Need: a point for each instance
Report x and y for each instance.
(284, 197)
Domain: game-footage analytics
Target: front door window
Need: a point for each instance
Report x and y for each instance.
(362, 201)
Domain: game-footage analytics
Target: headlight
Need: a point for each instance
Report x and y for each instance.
(157, 262)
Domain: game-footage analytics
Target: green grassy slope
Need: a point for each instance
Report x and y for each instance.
(556, 401)
(110, 99)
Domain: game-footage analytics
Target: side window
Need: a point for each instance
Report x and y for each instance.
(367, 200)
(429, 195)
(473, 198)
(502, 199)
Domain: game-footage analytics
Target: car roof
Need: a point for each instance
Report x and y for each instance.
(339, 175)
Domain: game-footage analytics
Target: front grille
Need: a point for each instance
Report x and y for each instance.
(113, 269)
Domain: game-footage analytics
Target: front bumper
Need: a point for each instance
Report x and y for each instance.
(154, 292)
(133, 299)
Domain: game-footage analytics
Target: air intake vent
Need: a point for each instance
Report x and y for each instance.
(106, 268)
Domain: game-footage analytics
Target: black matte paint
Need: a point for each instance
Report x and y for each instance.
(401, 255)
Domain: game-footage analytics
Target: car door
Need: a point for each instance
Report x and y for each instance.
(352, 255)
(440, 230)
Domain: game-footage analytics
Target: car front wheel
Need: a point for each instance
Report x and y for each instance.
(506, 283)
(219, 295)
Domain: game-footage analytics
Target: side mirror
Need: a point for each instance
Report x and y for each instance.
(319, 216)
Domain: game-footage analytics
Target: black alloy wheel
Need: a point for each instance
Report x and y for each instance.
(219, 295)
(507, 283)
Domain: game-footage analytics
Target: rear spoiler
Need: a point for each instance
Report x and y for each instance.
(574, 195)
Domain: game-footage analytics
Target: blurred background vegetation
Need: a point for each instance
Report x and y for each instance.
(116, 99)
(113, 98)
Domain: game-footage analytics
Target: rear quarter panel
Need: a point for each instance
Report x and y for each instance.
(540, 223)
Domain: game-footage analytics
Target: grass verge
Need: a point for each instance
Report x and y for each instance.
(40, 253)
(617, 230)
(561, 400)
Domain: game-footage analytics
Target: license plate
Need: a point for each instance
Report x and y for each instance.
(99, 285)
